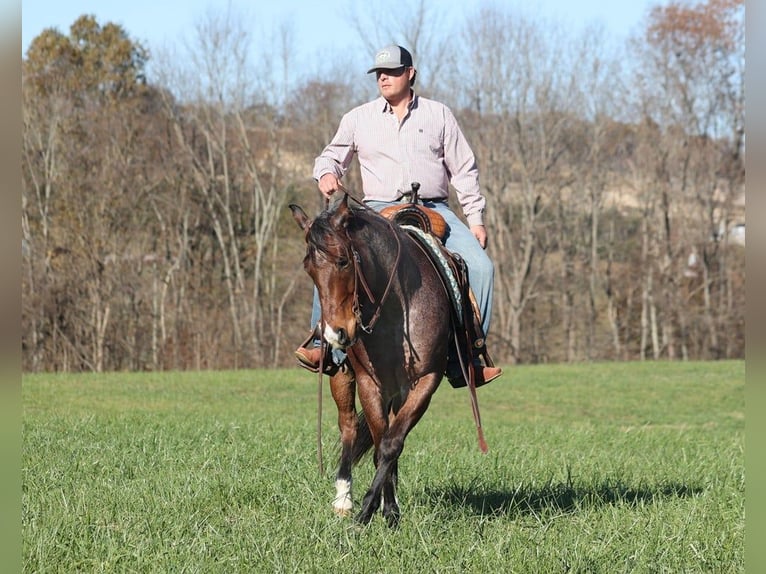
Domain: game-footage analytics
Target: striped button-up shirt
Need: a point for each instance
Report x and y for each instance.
(426, 146)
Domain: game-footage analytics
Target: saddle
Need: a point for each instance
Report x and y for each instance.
(469, 343)
(416, 215)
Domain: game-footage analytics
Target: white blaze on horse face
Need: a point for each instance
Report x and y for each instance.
(332, 337)
(342, 503)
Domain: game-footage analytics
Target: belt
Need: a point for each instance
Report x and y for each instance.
(406, 199)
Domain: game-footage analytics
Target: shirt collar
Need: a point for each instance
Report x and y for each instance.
(387, 107)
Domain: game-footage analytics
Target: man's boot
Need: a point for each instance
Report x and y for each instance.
(483, 375)
(309, 355)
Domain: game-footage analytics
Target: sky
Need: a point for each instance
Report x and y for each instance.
(317, 24)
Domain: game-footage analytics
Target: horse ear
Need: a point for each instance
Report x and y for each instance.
(300, 216)
(342, 213)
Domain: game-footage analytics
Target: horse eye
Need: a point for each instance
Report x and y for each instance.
(343, 263)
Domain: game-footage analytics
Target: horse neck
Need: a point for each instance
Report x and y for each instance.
(378, 244)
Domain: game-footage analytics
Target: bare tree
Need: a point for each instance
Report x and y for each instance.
(233, 137)
(595, 90)
(82, 97)
(518, 103)
(690, 85)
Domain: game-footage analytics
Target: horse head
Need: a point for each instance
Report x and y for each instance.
(329, 261)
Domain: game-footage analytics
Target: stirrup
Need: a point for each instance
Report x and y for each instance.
(328, 365)
(315, 335)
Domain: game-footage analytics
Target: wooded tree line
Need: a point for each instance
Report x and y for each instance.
(156, 233)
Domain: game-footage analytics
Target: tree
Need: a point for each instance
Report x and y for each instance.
(518, 123)
(232, 137)
(691, 87)
(93, 61)
(84, 109)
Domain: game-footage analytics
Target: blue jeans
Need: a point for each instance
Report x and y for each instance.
(460, 240)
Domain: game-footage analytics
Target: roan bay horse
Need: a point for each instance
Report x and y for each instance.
(384, 304)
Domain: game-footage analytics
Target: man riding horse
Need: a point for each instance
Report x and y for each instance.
(401, 138)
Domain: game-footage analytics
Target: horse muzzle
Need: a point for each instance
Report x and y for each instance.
(339, 337)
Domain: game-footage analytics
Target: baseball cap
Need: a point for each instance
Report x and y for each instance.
(390, 58)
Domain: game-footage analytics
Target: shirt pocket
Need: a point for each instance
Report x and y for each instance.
(428, 143)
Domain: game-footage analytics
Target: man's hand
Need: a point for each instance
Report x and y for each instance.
(328, 184)
(480, 233)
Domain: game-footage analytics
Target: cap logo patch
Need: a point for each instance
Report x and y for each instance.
(383, 56)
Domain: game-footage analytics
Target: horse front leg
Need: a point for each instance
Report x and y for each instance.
(383, 487)
(389, 449)
(390, 504)
(343, 388)
(377, 422)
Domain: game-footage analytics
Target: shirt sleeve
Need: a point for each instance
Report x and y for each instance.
(463, 171)
(337, 156)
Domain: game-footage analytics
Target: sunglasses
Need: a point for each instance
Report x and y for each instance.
(394, 73)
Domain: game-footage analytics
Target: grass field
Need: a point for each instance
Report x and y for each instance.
(622, 467)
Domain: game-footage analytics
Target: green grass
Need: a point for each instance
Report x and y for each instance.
(635, 467)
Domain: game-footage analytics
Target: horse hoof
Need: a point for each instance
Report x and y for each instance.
(342, 512)
(392, 519)
(363, 519)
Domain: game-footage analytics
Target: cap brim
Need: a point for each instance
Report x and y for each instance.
(386, 67)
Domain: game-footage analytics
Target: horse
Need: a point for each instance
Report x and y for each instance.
(384, 304)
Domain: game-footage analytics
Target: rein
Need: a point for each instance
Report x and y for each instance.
(360, 278)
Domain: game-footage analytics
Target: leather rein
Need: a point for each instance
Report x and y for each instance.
(359, 278)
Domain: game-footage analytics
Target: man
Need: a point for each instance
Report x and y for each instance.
(401, 138)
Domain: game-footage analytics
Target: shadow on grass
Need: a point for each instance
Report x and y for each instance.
(552, 498)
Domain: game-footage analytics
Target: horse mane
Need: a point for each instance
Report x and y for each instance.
(323, 236)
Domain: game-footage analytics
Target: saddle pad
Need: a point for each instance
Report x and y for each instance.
(437, 255)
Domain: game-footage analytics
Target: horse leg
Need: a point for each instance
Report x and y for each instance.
(390, 448)
(377, 421)
(390, 503)
(342, 386)
(388, 453)
(383, 487)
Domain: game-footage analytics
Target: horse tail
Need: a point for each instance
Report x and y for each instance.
(363, 442)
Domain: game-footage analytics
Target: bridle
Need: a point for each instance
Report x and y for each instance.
(359, 277)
